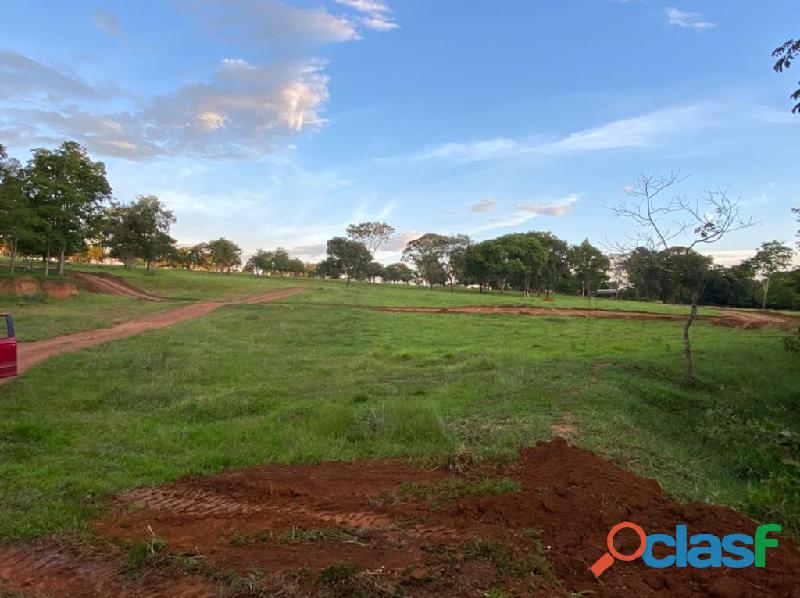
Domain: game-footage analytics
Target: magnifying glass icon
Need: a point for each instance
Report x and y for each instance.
(605, 561)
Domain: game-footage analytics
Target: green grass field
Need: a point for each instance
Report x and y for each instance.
(307, 379)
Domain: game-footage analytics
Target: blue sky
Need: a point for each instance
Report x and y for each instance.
(278, 123)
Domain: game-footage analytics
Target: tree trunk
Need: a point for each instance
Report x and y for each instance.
(61, 260)
(766, 290)
(13, 250)
(687, 341)
(47, 261)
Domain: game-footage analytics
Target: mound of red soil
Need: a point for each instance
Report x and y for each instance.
(380, 528)
(59, 289)
(102, 282)
(20, 286)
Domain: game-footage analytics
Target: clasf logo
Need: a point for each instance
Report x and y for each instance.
(698, 551)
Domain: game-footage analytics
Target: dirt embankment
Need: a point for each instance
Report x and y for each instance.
(381, 528)
(32, 353)
(102, 282)
(730, 318)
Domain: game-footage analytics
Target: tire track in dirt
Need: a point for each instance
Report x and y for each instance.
(53, 572)
(29, 354)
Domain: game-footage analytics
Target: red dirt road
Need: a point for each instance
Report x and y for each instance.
(393, 530)
(32, 353)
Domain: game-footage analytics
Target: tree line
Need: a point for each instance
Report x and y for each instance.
(541, 263)
(60, 204)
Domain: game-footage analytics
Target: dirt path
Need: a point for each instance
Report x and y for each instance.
(383, 528)
(113, 285)
(32, 353)
(730, 318)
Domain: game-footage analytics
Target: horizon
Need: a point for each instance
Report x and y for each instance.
(280, 123)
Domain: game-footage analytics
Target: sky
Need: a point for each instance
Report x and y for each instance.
(278, 123)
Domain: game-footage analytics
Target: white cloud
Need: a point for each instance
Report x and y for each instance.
(484, 205)
(556, 208)
(528, 210)
(639, 131)
(689, 20)
(239, 109)
(375, 14)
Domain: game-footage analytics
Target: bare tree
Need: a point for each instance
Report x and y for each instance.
(372, 234)
(678, 224)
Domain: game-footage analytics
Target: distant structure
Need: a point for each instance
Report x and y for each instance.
(607, 293)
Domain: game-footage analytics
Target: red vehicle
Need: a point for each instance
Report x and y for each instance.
(8, 347)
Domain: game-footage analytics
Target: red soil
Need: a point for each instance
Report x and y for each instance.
(102, 282)
(432, 543)
(731, 318)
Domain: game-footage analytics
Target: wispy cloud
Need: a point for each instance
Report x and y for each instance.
(528, 210)
(375, 14)
(639, 131)
(688, 20)
(484, 205)
(556, 208)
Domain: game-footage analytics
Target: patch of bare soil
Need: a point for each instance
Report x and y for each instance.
(102, 282)
(744, 320)
(382, 528)
(29, 354)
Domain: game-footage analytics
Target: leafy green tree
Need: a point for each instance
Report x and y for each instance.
(556, 266)
(398, 272)
(589, 265)
(348, 257)
(224, 254)
(18, 220)
(372, 234)
(68, 190)
(374, 270)
(786, 53)
(439, 259)
(139, 230)
(771, 257)
(328, 268)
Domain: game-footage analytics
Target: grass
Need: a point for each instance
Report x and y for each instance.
(293, 384)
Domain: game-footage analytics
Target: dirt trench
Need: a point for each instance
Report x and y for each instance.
(384, 528)
(744, 320)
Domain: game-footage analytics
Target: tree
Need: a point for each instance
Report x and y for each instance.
(328, 268)
(371, 234)
(786, 53)
(659, 222)
(439, 259)
(18, 221)
(224, 254)
(797, 235)
(373, 270)
(589, 265)
(67, 189)
(428, 254)
(139, 230)
(772, 257)
(348, 257)
(398, 272)
(556, 266)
